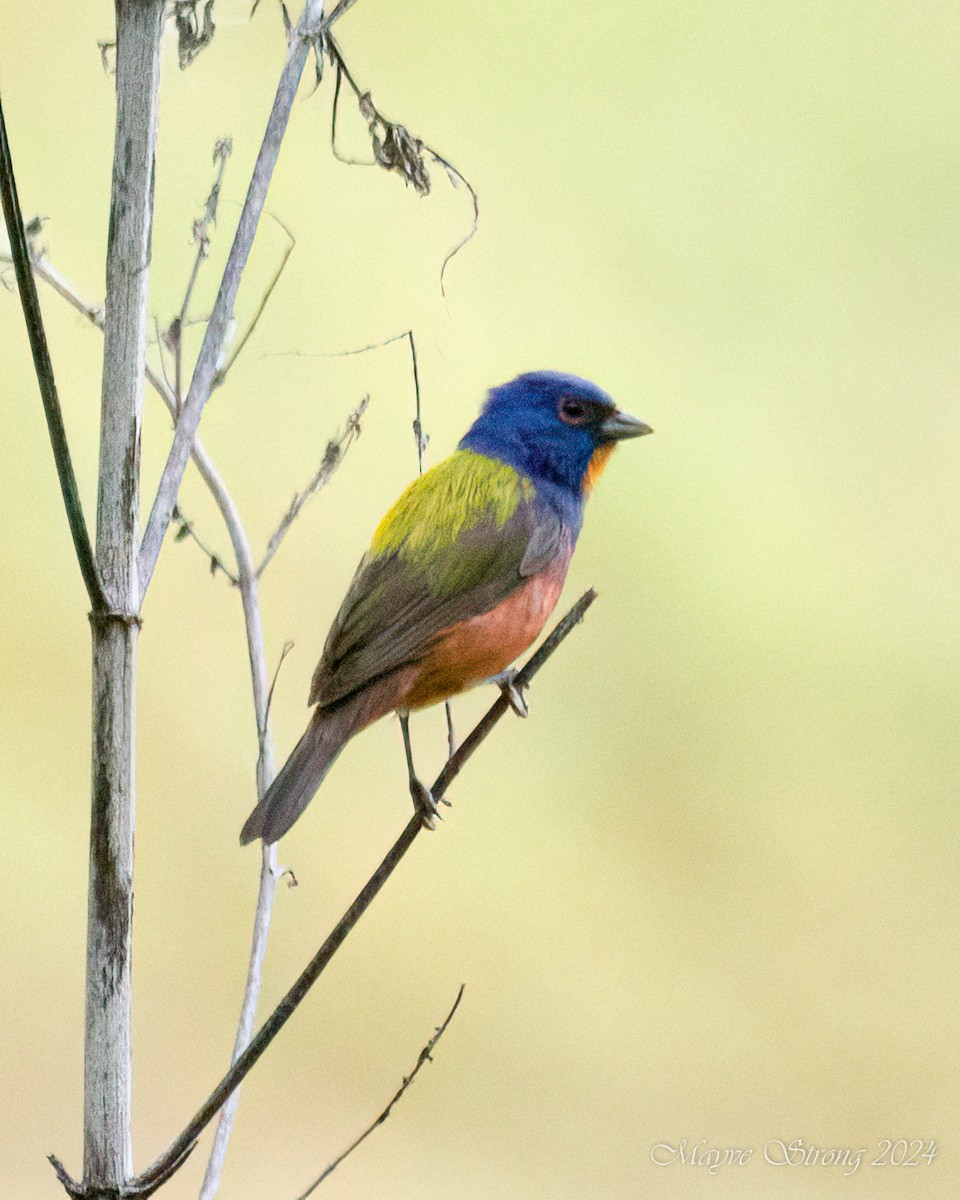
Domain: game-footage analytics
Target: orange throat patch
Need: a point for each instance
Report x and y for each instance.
(598, 460)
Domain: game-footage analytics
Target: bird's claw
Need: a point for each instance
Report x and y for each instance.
(514, 694)
(424, 804)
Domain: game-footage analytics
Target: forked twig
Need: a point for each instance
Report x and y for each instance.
(208, 363)
(343, 7)
(425, 1057)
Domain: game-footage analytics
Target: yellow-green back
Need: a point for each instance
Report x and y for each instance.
(459, 492)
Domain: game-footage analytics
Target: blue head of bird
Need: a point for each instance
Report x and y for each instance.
(551, 426)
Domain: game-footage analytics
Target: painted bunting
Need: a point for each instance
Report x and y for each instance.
(462, 573)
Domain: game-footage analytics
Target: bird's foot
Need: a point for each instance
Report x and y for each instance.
(514, 694)
(424, 803)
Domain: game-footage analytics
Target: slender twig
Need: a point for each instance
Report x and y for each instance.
(336, 57)
(343, 7)
(418, 432)
(264, 301)
(46, 271)
(287, 647)
(269, 874)
(163, 358)
(186, 530)
(425, 1057)
(201, 236)
(247, 580)
(388, 341)
(20, 255)
(452, 742)
(422, 440)
(501, 705)
(176, 1153)
(208, 362)
(201, 227)
(333, 456)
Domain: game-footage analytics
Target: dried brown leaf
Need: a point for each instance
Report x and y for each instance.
(192, 36)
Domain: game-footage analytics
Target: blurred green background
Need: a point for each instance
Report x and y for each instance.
(709, 889)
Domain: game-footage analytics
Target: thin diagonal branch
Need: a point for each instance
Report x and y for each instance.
(264, 301)
(343, 7)
(222, 150)
(425, 1057)
(484, 727)
(187, 530)
(201, 237)
(269, 874)
(422, 438)
(178, 1150)
(208, 362)
(246, 579)
(333, 456)
(20, 255)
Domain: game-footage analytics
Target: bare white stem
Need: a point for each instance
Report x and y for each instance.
(269, 875)
(108, 1154)
(208, 363)
(250, 597)
(249, 592)
(46, 271)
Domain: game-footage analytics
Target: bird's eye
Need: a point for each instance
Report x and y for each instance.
(573, 411)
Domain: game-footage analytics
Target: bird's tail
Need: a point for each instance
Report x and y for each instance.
(301, 775)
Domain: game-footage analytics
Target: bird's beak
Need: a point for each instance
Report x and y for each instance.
(621, 425)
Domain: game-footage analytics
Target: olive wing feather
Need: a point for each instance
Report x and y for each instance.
(400, 600)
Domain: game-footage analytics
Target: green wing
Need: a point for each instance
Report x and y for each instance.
(457, 542)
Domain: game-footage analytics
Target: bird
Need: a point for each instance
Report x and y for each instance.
(460, 577)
